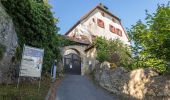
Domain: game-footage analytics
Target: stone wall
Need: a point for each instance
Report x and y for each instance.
(88, 58)
(8, 38)
(91, 59)
(77, 49)
(136, 84)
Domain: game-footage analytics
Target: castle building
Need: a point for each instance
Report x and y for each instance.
(99, 22)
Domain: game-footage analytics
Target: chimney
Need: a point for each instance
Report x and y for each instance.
(103, 6)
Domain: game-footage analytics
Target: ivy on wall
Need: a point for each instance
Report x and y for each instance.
(35, 26)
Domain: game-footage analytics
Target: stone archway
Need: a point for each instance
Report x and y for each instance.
(72, 62)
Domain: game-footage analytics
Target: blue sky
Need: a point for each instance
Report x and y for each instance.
(129, 11)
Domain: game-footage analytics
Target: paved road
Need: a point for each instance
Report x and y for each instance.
(76, 87)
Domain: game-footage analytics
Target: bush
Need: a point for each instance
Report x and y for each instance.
(113, 51)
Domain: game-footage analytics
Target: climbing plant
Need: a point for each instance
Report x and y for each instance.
(35, 26)
(113, 51)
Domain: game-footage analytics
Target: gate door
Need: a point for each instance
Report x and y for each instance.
(72, 64)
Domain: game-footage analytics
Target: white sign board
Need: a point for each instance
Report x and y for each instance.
(31, 63)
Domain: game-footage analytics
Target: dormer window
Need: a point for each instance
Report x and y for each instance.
(102, 13)
(100, 23)
(112, 28)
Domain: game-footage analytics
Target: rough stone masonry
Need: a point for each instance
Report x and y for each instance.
(8, 38)
(145, 84)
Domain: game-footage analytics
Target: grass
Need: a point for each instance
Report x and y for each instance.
(26, 90)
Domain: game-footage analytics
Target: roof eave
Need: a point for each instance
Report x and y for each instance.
(86, 15)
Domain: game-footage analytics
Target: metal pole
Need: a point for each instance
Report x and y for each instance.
(18, 81)
(40, 76)
(39, 85)
(20, 67)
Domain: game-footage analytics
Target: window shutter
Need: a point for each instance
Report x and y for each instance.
(119, 32)
(116, 31)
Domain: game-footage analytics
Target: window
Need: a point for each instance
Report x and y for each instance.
(113, 19)
(93, 37)
(100, 23)
(119, 32)
(74, 35)
(112, 28)
(93, 20)
(102, 13)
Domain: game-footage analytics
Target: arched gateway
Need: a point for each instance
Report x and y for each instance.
(72, 62)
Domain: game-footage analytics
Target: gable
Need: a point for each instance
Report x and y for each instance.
(89, 26)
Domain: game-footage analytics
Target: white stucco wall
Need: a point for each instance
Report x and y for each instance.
(87, 27)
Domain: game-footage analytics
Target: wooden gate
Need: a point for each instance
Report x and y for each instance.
(72, 64)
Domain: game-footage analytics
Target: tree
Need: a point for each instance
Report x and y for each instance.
(151, 42)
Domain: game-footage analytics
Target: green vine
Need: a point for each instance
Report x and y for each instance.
(35, 26)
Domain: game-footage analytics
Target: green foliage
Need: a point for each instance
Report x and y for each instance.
(26, 90)
(151, 42)
(18, 53)
(113, 51)
(2, 50)
(66, 42)
(35, 26)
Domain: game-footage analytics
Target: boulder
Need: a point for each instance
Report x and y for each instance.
(8, 38)
(137, 80)
(159, 86)
(106, 77)
(137, 84)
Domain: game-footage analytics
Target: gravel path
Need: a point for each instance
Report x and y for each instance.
(77, 87)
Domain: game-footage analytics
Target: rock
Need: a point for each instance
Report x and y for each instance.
(139, 84)
(160, 86)
(109, 78)
(8, 38)
(0, 76)
(60, 69)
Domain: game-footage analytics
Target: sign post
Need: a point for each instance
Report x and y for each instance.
(31, 63)
(53, 71)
